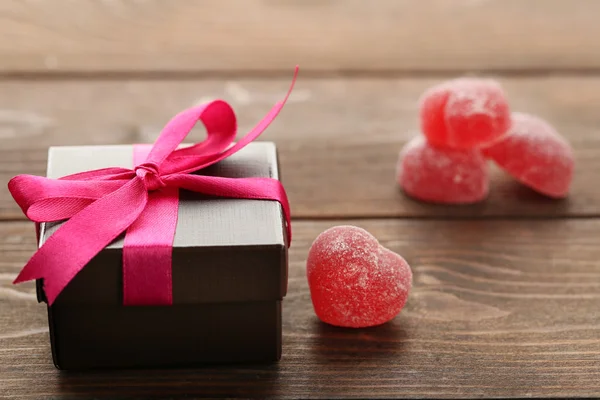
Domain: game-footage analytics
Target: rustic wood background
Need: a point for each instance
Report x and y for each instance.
(506, 301)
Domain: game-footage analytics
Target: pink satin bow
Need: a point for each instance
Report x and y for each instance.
(100, 205)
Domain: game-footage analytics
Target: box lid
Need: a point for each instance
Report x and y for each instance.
(224, 250)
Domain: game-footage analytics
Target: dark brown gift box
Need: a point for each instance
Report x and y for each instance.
(229, 278)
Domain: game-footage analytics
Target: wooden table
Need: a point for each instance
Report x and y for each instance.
(506, 301)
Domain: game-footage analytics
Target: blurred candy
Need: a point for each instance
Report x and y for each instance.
(464, 113)
(536, 155)
(442, 175)
(354, 281)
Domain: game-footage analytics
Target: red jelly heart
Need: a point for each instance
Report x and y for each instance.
(464, 113)
(536, 155)
(354, 281)
(440, 175)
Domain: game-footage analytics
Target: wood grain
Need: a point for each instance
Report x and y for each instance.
(338, 138)
(499, 309)
(264, 35)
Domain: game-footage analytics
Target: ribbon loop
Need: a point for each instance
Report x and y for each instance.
(217, 117)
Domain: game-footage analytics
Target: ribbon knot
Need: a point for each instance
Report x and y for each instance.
(100, 205)
(148, 173)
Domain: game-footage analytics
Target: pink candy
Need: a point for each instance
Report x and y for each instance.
(464, 113)
(439, 175)
(354, 281)
(467, 120)
(536, 155)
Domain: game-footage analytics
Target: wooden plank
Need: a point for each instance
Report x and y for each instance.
(338, 138)
(336, 35)
(498, 309)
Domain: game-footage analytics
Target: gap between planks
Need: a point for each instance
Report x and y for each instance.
(268, 75)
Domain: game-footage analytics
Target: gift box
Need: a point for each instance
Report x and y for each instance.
(162, 255)
(229, 277)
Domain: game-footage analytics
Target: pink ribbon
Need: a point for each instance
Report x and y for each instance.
(100, 205)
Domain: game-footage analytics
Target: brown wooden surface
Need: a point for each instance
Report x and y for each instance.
(499, 309)
(266, 35)
(506, 293)
(351, 128)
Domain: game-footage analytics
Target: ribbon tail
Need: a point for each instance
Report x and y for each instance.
(76, 242)
(261, 126)
(184, 161)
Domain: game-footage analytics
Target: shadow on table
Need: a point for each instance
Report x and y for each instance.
(506, 197)
(381, 342)
(211, 381)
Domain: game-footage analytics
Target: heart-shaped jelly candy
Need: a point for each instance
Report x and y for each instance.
(536, 155)
(441, 175)
(464, 113)
(354, 281)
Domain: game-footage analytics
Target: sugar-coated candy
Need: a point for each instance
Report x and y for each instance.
(536, 155)
(464, 113)
(441, 175)
(354, 281)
